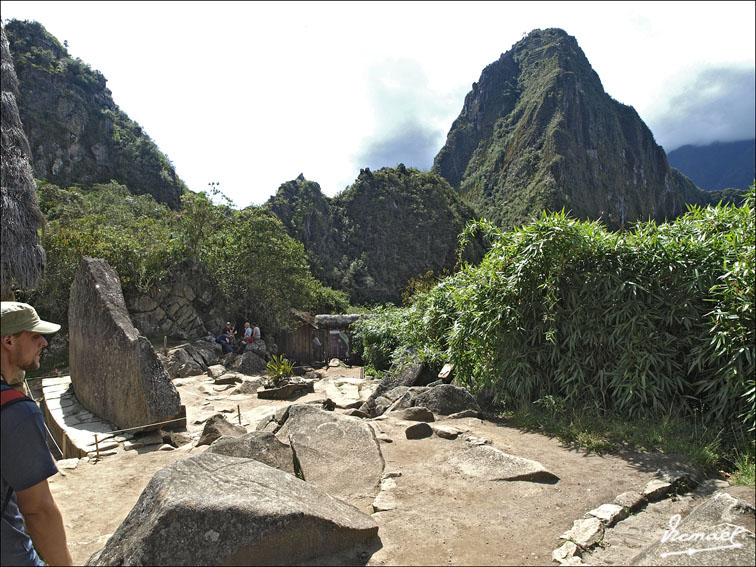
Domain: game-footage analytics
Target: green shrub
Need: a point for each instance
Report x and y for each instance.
(634, 323)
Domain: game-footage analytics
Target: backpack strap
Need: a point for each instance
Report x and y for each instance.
(10, 396)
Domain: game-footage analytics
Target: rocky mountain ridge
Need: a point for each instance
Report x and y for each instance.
(538, 132)
(389, 226)
(77, 134)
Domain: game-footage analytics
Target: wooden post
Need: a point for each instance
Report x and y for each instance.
(238, 413)
(165, 345)
(97, 447)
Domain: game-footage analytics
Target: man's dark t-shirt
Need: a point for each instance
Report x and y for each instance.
(25, 461)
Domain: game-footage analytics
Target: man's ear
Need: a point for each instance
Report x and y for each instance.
(7, 341)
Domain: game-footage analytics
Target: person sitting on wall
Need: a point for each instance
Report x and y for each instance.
(226, 339)
(255, 332)
(228, 329)
(248, 334)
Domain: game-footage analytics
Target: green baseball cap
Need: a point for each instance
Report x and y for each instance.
(18, 317)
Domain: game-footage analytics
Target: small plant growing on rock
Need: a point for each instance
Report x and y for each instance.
(279, 368)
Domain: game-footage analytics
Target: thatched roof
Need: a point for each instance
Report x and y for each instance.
(22, 260)
(335, 321)
(327, 321)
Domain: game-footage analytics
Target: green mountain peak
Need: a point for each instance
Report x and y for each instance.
(538, 132)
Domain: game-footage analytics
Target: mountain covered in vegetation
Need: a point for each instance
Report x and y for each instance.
(538, 132)
(717, 166)
(77, 134)
(388, 227)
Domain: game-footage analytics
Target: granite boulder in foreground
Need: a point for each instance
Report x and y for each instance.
(215, 509)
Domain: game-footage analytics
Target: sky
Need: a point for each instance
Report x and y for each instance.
(249, 95)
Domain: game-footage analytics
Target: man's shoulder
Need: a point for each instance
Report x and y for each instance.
(17, 407)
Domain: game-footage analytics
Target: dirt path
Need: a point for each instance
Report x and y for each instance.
(440, 517)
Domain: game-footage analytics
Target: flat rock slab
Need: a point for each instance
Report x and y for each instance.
(284, 392)
(258, 445)
(609, 514)
(709, 535)
(446, 431)
(215, 509)
(488, 463)
(349, 393)
(337, 453)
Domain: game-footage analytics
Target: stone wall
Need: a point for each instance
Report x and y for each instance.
(183, 309)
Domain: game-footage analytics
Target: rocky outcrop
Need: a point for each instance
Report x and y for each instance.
(215, 509)
(389, 226)
(115, 372)
(23, 259)
(710, 533)
(76, 132)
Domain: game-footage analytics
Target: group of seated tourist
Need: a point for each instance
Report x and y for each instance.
(228, 341)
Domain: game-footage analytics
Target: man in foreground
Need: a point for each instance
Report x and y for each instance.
(29, 513)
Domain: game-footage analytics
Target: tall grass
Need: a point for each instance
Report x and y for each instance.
(634, 324)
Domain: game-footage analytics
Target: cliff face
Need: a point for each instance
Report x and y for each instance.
(538, 132)
(389, 226)
(76, 132)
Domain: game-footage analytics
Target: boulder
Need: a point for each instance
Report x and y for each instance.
(488, 463)
(228, 378)
(115, 371)
(349, 393)
(446, 399)
(263, 447)
(285, 391)
(408, 371)
(216, 370)
(325, 442)
(418, 431)
(251, 363)
(218, 426)
(711, 534)
(215, 509)
(415, 413)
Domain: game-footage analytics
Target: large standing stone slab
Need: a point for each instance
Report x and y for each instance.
(216, 509)
(115, 372)
(337, 453)
(488, 463)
